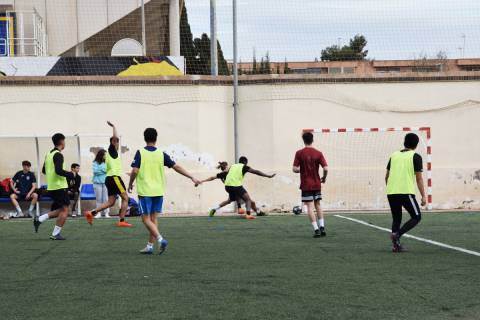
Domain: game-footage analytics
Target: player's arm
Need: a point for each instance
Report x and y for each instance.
(260, 173)
(208, 179)
(387, 175)
(13, 184)
(179, 169)
(58, 162)
(296, 169)
(133, 176)
(325, 174)
(421, 186)
(115, 133)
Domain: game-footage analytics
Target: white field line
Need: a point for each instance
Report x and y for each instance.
(435, 243)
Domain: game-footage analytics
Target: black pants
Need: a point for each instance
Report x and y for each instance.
(407, 201)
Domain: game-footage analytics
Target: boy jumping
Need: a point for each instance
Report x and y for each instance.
(403, 170)
(307, 162)
(148, 168)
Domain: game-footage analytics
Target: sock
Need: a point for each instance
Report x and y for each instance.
(19, 210)
(43, 217)
(321, 223)
(159, 238)
(56, 230)
(122, 219)
(31, 207)
(149, 245)
(315, 225)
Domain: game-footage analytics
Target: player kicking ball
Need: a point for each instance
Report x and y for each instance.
(234, 187)
(307, 162)
(403, 170)
(148, 169)
(113, 182)
(57, 187)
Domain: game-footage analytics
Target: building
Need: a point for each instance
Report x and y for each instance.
(88, 27)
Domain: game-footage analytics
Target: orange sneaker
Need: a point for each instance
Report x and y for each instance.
(124, 224)
(89, 217)
(250, 217)
(241, 211)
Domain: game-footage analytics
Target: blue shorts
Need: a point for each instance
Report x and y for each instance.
(149, 205)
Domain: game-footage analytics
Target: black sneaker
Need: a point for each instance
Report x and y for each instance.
(322, 232)
(317, 234)
(57, 237)
(36, 224)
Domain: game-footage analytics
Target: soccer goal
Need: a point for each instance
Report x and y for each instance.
(357, 160)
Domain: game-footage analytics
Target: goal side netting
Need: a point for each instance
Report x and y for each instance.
(357, 161)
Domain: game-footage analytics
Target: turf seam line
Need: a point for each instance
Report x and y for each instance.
(435, 243)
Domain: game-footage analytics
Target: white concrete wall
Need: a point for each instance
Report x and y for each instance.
(196, 126)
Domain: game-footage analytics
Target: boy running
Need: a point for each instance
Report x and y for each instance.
(307, 162)
(403, 170)
(113, 182)
(148, 168)
(57, 186)
(234, 187)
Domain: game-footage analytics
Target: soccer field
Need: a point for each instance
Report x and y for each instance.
(231, 268)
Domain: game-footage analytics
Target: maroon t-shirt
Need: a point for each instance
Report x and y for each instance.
(309, 160)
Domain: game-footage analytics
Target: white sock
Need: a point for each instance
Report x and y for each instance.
(31, 208)
(150, 245)
(321, 223)
(315, 225)
(56, 230)
(19, 210)
(43, 217)
(159, 238)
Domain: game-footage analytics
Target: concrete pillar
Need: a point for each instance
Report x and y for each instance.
(213, 38)
(174, 25)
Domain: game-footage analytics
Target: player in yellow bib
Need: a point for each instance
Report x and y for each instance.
(404, 170)
(148, 169)
(113, 182)
(57, 187)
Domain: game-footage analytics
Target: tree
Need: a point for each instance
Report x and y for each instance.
(197, 51)
(286, 69)
(354, 51)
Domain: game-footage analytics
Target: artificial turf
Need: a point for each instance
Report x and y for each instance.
(230, 268)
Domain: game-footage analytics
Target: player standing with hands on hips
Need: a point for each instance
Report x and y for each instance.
(307, 162)
(403, 170)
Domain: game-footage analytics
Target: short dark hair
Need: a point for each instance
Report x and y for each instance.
(26, 163)
(74, 165)
(150, 135)
(307, 138)
(243, 160)
(411, 140)
(57, 139)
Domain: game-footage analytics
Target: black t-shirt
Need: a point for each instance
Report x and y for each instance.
(112, 151)
(417, 162)
(24, 181)
(74, 183)
(223, 175)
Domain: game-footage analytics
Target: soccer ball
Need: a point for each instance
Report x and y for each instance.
(297, 210)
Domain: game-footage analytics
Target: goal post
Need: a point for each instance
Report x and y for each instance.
(357, 159)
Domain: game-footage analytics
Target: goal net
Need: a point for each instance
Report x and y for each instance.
(357, 160)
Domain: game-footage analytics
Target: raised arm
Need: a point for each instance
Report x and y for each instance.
(115, 133)
(179, 169)
(261, 174)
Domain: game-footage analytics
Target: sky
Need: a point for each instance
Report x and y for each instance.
(299, 30)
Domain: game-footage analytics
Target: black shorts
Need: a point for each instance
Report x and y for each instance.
(407, 201)
(115, 186)
(60, 198)
(23, 196)
(235, 193)
(310, 196)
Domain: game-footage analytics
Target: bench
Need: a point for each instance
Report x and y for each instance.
(86, 193)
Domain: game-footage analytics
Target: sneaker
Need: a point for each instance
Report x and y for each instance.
(317, 234)
(36, 224)
(19, 215)
(124, 224)
(107, 215)
(261, 214)
(241, 211)
(163, 246)
(322, 232)
(396, 246)
(212, 212)
(89, 217)
(147, 250)
(249, 217)
(57, 237)
(74, 214)
(98, 216)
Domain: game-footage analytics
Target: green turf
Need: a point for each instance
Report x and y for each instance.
(228, 268)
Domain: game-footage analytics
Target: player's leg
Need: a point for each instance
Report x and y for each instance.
(61, 203)
(411, 205)
(89, 215)
(212, 211)
(33, 204)
(395, 203)
(308, 199)
(16, 205)
(149, 207)
(75, 196)
(106, 212)
(320, 216)
(242, 193)
(123, 211)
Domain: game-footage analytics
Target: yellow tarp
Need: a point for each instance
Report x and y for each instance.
(151, 69)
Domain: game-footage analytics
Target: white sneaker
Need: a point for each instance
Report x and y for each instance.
(98, 215)
(74, 214)
(107, 215)
(19, 215)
